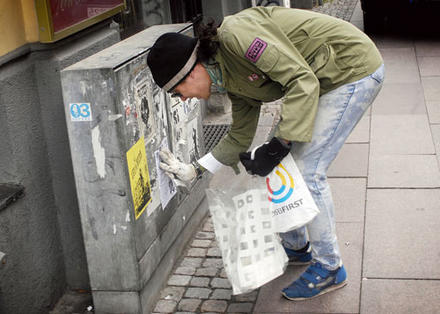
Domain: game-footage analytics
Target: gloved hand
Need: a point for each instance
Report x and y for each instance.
(264, 158)
(172, 166)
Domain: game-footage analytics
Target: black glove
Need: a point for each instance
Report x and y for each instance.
(264, 158)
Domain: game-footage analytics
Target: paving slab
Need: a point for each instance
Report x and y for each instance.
(361, 133)
(433, 111)
(349, 198)
(431, 88)
(217, 306)
(429, 66)
(165, 306)
(179, 280)
(345, 300)
(240, 308)
(352, 161)
(221, 294)
(189, 304)
(247, 297)
(196, 252)
(172, 293)
(401, 229)
(427, 47)
(198, 293)
(400, 65)
(270, 298)
(403, 171)
(392, 41)
(400, 98)
(400, 296)
(400, 134)
(435, 129)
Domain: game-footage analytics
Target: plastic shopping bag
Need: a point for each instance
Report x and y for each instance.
(291, 203)
(251, 249)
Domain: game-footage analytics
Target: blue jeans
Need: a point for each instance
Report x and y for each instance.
(338, 113)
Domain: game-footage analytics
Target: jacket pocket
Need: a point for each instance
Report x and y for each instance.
(325, 67)
(320, 58)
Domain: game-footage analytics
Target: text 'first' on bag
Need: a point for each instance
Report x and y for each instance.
(291, 204)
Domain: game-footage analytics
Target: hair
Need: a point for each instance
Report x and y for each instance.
(208, 45)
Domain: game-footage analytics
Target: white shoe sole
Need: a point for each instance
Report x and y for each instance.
(329, 289)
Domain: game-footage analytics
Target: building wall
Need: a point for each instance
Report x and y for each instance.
(41, 232)
(34, 273)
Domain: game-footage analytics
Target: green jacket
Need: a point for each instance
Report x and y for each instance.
(270, 53)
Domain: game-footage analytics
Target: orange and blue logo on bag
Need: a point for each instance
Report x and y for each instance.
(285, 190)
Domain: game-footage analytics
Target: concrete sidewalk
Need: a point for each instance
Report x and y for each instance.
(386, 187)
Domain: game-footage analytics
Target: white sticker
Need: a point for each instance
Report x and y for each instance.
(80, 112)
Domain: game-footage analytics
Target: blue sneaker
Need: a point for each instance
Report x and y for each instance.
(300, 257)
(316, 280)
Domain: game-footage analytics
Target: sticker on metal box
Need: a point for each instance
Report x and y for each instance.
(80, 112)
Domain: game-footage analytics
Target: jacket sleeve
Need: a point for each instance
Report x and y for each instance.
(245, 114)
(263, 44)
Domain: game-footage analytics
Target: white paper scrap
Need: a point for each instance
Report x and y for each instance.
(167, 186)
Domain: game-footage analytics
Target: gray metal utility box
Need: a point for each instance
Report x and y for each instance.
(118, 120)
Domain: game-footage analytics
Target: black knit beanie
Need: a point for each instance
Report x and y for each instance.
(172, 58)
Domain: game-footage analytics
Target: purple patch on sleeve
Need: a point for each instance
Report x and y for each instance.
(255, 50)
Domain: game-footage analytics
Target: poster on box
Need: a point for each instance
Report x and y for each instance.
(139, 177)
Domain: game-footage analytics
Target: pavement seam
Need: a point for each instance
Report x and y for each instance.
(401, 279)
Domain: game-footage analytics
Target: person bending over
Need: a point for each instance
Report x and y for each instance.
(326, 73)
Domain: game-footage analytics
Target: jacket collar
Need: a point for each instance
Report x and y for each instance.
(216, 74)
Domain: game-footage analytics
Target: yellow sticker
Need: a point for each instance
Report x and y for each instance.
(139, 178)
